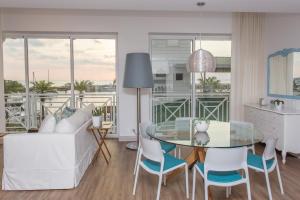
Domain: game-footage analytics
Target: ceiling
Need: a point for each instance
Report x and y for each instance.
(282, 6)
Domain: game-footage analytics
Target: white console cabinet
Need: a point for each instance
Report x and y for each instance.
(284, 123)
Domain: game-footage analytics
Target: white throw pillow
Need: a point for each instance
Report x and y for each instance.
(48, 124)
(88, 109)
(79, 117)
(71, 124)
(65, 126)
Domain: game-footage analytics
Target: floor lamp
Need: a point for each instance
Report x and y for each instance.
(138, 74)
(200, 61)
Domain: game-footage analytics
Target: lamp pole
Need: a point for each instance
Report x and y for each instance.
(138, 101)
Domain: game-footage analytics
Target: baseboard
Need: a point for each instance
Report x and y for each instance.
(127, 138)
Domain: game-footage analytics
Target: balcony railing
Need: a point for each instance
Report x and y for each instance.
(212, 106)
(24, 113)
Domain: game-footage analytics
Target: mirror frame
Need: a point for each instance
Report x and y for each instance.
(284, 53)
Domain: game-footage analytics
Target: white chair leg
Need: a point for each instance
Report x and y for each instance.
(247, 184)
(165, 180)
(248, 190)
(136, 178)
(136, 160)
(194, 184)
(279, 179)
(253, 149)
(187, 181)
(175, 152)
(227, 192)
(159, 186)
(268, 185)
(205, 191)
(179, 152)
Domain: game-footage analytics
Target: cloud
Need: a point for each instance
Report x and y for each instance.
(36, 42)
(94, 55)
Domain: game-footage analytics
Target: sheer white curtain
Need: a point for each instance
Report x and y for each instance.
(2, 103)
(248, 67)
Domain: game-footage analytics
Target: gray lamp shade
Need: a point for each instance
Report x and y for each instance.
(138, 71)
(201, 61)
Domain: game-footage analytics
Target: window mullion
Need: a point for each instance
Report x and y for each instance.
(72, 72)
(27, 106)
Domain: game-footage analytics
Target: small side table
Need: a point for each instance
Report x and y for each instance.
(102, 133)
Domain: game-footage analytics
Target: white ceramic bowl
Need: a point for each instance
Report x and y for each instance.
(201, 126)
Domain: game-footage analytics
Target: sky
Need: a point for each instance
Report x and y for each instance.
(94, 60)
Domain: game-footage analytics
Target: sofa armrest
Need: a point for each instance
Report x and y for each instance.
(38, 151)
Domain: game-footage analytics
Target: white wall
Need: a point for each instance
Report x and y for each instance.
(132, 28)
(282, 31)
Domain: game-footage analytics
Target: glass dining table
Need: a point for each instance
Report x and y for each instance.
(219, 134)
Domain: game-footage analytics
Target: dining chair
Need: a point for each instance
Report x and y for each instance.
(244, 128)
(166, 147)
(158, 163)
(266, 163)
(224, 167)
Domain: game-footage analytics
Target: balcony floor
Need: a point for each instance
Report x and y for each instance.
(115, 182)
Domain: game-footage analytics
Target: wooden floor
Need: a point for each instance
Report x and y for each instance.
(114, 182)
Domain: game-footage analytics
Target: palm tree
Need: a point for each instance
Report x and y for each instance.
(81, 87)
(209, 84)
(42, 87)
(13, 87)
(114, 83)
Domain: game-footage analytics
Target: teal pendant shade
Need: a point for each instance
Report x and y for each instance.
(138, 71)
(201, 61)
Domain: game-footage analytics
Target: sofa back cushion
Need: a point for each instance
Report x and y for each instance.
(67, 112)
(89, 109)
(48, 124)
(71, 124)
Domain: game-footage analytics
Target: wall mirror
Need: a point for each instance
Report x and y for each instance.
(284, 74)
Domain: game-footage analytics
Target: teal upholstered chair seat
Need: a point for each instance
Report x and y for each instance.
(220, 177)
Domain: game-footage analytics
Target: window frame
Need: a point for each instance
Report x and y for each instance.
(60, 35)
(184, 36)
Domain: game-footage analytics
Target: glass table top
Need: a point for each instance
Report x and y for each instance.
(182, 131)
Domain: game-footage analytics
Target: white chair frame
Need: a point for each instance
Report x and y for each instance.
(142, 128)
(247, 125)
(270, 153)
(222, 154)
(155, 146)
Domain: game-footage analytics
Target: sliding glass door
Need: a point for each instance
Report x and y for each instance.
(172, 84)
(94, 74)
(45, 74)
(171, 95)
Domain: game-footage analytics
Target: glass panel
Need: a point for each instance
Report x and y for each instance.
(218, 134)
(49, 76)
(213, 89)
(95, 75)
(49, 60)
(172, 82)
(14, 84)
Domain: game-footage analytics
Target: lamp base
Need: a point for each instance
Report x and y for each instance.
(132, 146)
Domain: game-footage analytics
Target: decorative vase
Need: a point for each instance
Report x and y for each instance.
(202, 138)
(201, 126)
(97, 121)
(278, 106)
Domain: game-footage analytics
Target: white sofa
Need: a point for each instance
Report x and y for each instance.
(39, 161)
